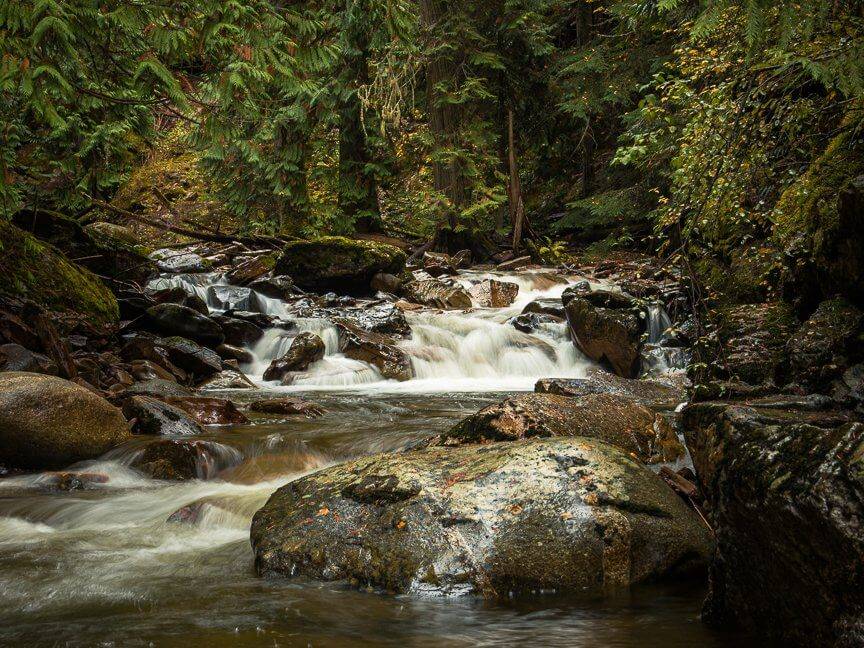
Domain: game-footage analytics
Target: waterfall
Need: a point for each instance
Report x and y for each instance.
(659, 355)
(477, 350)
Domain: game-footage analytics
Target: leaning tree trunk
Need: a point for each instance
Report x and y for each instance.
(445, 118)
(358, 196)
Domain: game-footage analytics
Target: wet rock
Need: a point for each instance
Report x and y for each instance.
(146, 370)
(238, 332)
(147, 348)
(209, 411)
(337, 263)
(191, 357)
(179, 261)
(178, 295)
(247, 271)
(515, 264)
(228, 352)
(72, 481)
(232, 298)
(152, 416)
(607, 330)
(375, 317)
(826, 344)
(159, 388)
(305, 349)
(494, 294)
(754, 338)
(48, 422)
(650, 393)
(617, 420)
(177, 460)
(173, 319)
(376, 349)
(438, 264)
(462, 259)
(552, 307)
(228, 379)
(447, 521)
(275, 287)
(531, 322)
(435, 293)
(14, 357)
(287, 407)
(386, 282)
(785, 493)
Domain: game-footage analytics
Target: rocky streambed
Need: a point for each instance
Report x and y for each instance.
(381, 441)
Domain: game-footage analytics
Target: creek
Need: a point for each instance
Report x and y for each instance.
(112, 566)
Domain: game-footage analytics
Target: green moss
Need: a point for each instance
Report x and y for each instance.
(38, 271)
(809, 206)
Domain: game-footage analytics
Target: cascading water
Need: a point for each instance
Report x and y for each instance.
(659, 354)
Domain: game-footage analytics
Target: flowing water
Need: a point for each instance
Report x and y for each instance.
(112, 565)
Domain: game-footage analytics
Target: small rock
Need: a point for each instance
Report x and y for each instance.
(305, 349)
(14, 357)
(494, 294)
(287, 407)
(209, 411)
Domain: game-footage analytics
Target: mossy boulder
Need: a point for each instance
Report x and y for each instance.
(339, 264)
(819, 223)
(785, 493)
(38, 271)
(565, 514)
(48, 423)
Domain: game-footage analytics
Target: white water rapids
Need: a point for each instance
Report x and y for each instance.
(450, 351)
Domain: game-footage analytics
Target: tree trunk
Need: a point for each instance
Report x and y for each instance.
(445, 119)
(517, 208)
(358, 196)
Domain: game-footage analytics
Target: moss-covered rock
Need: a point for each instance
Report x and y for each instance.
(785, 493)
(819, 224)
(337, 263)
(566, 514)
(38, 271)
(48, 423)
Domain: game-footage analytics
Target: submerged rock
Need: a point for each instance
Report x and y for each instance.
(376, 349)
(287, 406)
(494, 294)
(209, 411)
(153, 416)
(785, 488)
(432, 292)
(559, 514)
(305, 349)
(48, 422)
(337, 263)
(617, 420)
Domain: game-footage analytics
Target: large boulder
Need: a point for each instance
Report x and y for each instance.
(650, 393)
(47, 422)
(173, 319)
(239, 332)
(337, 263)
(607, 328)
(36, 270)
(785, 493)
(830, 341)
(181, 459)
(376, 349)
(560, 514)
(617, 420)
(435, 293)
(305, 349)
(152, 416)
(491, 293)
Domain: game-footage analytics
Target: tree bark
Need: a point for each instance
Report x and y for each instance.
(445, 119)
(517, 208)
(358, 195)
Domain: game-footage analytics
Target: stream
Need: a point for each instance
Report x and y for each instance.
(112, 566)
